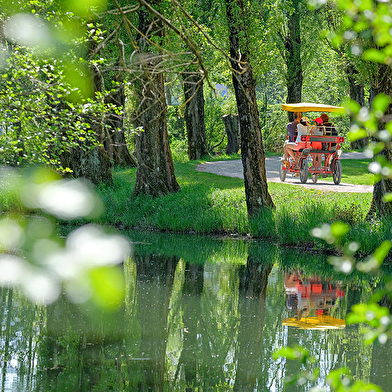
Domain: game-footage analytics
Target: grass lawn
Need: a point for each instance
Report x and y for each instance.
(355, 171)
(215, 205)
(211, 204)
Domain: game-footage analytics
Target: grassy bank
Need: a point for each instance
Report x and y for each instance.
(211, 204)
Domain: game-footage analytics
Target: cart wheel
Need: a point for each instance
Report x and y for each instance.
(337, 172)
(282, 172)
(315, 177)
(304, 171)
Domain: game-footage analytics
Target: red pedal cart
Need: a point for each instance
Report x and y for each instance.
(323, 149)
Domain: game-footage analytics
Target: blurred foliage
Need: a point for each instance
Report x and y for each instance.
(35, 258)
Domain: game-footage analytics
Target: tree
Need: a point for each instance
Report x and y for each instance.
(108, 54)
(252, 310)
(194, 114)
(232, 131)
(356, 80)
(252, 150)
(86, 160)
(155, 170)
(290, 46)
(292, 43)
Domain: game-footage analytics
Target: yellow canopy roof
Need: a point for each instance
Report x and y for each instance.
(311, 107)
(319, 322)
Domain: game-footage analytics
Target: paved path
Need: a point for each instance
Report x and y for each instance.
(234, 169)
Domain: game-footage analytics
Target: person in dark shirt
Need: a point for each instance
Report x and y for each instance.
(330, 130)
(292, 127)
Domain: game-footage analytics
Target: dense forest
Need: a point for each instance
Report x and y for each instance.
(89, 85)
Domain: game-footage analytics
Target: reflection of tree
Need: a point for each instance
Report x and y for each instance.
(155, 277)
(381, 365)
(79, 347)
(207, 326)
(253, 287)
(192, 290)
(70, 348)
(18, 328)
(8, 312)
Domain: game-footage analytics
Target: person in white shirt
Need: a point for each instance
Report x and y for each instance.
(303, 128)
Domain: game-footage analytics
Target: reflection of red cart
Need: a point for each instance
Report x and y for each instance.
(320, 148)
(312, 300)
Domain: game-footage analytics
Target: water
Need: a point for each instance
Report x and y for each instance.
(200, 314)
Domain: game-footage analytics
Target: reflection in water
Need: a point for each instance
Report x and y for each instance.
(312, 301)
(253, 289)
(203, 315)
(155, 281)
(192, 289)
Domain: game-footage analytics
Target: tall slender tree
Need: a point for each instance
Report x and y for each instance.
(194, 114)
(289, 42)
(292, 43)
(252, 150)
(332, 17)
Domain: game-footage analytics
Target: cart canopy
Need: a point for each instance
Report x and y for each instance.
(319, 322)
(311, 107)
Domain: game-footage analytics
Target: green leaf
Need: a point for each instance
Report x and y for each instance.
(387, 198)
(293, 353)
(83, 7)
(381, 102)
(361, 386)
(339, 229)
(382, 251)
(108, 287)
(358, 134)
(335, 377)
(374, 55)
(353, 106)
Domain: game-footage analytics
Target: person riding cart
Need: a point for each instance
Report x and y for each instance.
(320, 145)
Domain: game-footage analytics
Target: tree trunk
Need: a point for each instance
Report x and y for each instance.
(232, 128)
(384, 186)
(91, 163)
(357, 93)
(114, 140)
(252, 313)
(252, 150)
(194, 116)
(292, 44)
(155, 170)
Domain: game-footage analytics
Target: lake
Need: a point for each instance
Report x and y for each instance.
(200, 314)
